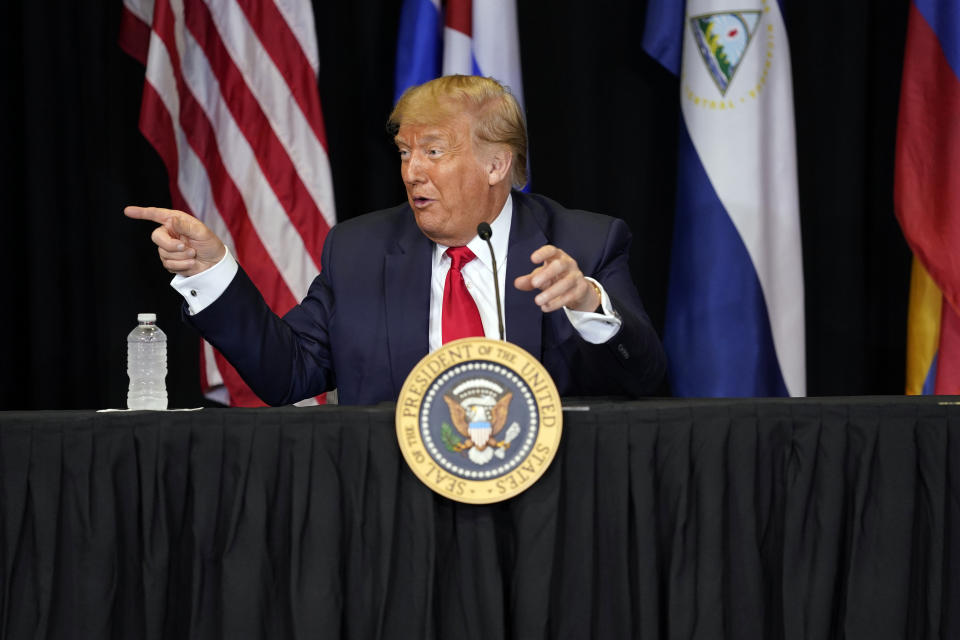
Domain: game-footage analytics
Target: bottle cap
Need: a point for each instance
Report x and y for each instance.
(146, 317)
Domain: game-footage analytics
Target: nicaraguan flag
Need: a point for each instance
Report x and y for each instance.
(735, 314)
(927, 193)
(462, 37)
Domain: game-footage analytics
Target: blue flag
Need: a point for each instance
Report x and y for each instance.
(463, 37)
(735, 313)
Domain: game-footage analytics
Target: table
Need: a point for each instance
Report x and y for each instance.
(812, 518)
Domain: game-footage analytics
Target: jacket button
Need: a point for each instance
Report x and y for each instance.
(623, 351)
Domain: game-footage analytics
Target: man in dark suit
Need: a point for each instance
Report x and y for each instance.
(375, 309)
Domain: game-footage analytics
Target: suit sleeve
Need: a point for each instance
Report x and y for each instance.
(632, 362)
(283, 360)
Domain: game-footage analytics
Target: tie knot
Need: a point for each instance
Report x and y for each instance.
(460, 256)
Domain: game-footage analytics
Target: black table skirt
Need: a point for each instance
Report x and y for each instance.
(835, 518)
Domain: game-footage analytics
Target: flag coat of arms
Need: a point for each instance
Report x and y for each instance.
(230, 102)
(735, 308)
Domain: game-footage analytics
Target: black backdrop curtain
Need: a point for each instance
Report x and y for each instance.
(602, 119)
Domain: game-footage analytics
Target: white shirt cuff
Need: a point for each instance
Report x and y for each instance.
(202, 289)
(596, 328)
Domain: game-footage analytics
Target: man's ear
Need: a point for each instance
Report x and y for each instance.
(499, 163)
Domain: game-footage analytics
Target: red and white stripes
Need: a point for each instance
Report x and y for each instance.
(230, 103)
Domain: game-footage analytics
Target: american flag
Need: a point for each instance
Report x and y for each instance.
(230, 103)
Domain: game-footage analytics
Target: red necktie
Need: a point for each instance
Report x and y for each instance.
(461, 318)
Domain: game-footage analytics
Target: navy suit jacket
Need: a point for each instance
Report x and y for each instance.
(363, 325)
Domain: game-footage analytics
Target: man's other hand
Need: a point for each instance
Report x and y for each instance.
(560, 281)
(186, 246)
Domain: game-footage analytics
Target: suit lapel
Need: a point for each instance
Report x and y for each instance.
(407, 273)
(524, 318)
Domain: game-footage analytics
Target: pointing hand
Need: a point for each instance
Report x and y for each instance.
(186, 246)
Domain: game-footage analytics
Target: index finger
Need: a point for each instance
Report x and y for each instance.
(155, 214)
(544, 253)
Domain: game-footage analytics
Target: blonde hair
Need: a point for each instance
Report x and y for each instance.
(497, 116)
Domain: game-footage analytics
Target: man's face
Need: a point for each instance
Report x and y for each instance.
(448, 184)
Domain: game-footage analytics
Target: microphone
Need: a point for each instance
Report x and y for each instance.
(484, 231)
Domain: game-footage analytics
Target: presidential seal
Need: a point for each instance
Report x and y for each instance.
(479, 420)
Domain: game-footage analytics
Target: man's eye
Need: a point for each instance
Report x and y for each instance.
(404, 153)
(434, 152)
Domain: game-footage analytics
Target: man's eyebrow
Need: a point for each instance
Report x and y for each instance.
(426, 139)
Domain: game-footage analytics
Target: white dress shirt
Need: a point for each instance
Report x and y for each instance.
(478, 276)
(204, 288)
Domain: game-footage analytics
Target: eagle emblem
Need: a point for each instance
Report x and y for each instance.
(496, 430)
(478, 411)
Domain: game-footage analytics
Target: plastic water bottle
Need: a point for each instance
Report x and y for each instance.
(147, 364)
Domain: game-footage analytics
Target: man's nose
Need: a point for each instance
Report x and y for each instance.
(413, 169)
